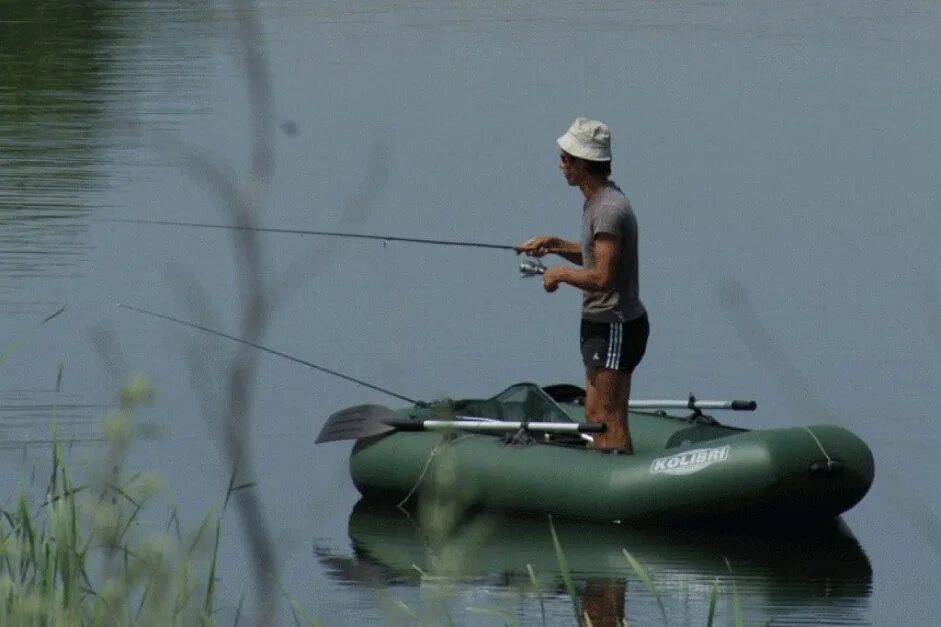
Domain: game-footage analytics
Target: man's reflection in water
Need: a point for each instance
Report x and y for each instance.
(603, 601)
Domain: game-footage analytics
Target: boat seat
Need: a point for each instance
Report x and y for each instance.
(517, 403)
(566, 393)
(515, 411)
(491, 409)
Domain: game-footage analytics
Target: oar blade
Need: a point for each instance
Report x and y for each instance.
(359, 421)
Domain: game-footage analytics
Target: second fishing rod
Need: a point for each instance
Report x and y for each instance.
(528, 267)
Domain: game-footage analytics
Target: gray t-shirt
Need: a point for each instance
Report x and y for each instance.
(610, 212)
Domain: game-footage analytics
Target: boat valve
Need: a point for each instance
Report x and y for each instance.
(531, 267)
(825, 468)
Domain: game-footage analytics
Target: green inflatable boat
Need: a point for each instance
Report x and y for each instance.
(525, 450)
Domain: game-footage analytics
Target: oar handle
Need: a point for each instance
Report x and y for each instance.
(478, 424)
(694, 404)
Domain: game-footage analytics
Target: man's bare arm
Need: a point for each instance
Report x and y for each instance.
(597, 278)
(544, 244)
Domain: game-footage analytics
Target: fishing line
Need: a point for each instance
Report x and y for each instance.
(259, 229)
(273, 352)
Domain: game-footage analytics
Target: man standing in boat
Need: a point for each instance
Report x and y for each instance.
(614, 325)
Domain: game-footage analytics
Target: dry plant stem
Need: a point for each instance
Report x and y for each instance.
(237, 408)
(242, 203)
(199, 355)
(927, 293)
(353, 215)
(801, 393)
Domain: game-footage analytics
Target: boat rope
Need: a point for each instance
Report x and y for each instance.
(819, 445)
(434, 451)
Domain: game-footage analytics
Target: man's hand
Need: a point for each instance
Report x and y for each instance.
(539, 246)
(551, 278)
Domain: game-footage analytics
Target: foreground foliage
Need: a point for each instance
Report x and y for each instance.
(85, 554)
(82, 556)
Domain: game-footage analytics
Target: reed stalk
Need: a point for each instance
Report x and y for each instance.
(564, 569)
(49, 550)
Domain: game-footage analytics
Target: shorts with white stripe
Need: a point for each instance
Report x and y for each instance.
(614, 345)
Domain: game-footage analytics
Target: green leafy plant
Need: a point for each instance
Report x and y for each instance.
(80, 557)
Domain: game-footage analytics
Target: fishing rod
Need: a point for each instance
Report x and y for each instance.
(691, 403)
(527, 268)
(273, 352)
(260, 229)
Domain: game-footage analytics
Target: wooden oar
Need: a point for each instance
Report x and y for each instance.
(363, 421)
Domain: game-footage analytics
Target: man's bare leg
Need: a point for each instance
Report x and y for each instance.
(606, 395)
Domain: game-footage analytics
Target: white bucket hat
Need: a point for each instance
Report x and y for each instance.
(587, 139)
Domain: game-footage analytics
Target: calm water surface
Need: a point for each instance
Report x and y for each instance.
(786, 150)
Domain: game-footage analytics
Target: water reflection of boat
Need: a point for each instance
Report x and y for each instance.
(785, 570)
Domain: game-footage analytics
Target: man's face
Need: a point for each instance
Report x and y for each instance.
(573, 168)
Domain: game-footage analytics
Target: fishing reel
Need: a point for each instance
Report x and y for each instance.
(531, 267)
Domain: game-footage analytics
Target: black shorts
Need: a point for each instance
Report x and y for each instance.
(614, 345)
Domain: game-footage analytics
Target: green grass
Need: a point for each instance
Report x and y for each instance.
(564, 569)
(645, 577)
(79, 555)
